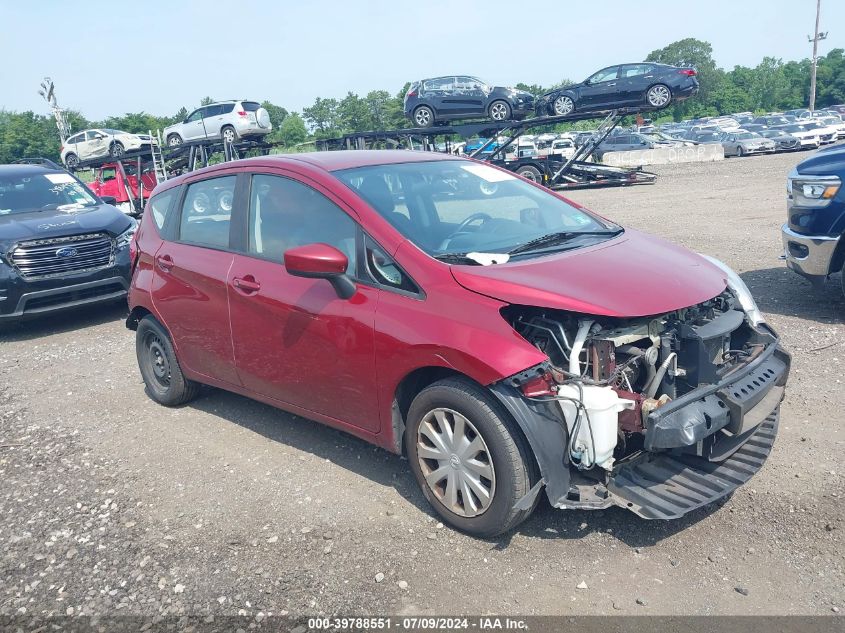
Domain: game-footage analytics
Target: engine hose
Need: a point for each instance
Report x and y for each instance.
(578, 345)
(658, 377)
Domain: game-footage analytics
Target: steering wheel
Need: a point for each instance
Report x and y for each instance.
(467, 221)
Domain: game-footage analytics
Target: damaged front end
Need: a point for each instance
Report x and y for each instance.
(660, 415)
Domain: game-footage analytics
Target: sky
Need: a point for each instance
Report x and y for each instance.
(109, 58)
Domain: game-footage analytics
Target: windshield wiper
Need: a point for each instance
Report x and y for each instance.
(456, 258)
(551, 239)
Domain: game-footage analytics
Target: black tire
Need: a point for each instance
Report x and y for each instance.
(500, 111)
(531, 173)
(228, 134)
(71, 161)
(116, 149)
(174, 140)
(739, 151)
(159, 366)
(511, 458)
(424, 116)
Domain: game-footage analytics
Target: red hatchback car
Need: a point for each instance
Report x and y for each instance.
(503, 338)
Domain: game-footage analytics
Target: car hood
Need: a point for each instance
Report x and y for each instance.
(47, 224)
(632, 275)
(824, 162)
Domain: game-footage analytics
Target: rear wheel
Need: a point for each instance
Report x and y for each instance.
(71, 161)
(468, 457)
(174, 140)
(658, 96)
(229, 135)
(424, 116)
(500, 111)
(531, 173)
(159, 366)
(116, 149)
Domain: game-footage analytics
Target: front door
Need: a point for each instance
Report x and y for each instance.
(194, 126)
(295, 340)
(602, 88)
(191, 274)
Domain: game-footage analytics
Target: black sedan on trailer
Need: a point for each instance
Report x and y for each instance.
(60, 245)
(430, 101)
(652, 86)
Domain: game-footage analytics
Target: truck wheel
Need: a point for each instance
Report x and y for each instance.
(500, 111)
(229, 135)
(71, 161)
(159, 366)
(531, 173)
(174, 140)
(116, 149)
(468, 457)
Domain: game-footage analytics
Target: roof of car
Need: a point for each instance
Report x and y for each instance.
(27, 170)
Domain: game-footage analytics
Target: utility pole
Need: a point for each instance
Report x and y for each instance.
(815, 40)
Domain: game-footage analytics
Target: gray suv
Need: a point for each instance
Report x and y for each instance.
(229, 120)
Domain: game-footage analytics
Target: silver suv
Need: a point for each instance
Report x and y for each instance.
(229, 120)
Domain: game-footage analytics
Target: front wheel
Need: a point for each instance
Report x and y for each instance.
(739, 151)
(116, 150)
(174, 140)
(159, 366)
(71, 161)
(658, 96)
(468, 457)
(563, 105)
(500, 111)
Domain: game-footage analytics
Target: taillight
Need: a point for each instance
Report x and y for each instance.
(241, 113)
(689, 72)
(411, 93)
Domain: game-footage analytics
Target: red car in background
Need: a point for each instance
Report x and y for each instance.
(506, 340)
(120, 180)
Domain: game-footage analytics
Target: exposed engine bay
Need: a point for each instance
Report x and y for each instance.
(607, 375)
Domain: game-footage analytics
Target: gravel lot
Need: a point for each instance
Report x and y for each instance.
(112, 504)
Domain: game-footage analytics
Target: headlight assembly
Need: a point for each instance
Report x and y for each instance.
(737, 286)
(812, 191)
(122, 240)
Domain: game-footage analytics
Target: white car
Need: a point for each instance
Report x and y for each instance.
(809, 139)
(101, 143)
(562, 147)
(227, 120)
(835, 123)
(827, 133)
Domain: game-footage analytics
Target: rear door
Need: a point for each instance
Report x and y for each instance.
(191, 272)
(633, 81)
(438, 93)
(295, 340)
(468, 95)
(213, 119)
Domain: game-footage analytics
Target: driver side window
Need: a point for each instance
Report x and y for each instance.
(196, 115)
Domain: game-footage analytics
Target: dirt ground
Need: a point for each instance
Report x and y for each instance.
(111, 504)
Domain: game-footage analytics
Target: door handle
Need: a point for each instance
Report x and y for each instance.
(247, 285)
(164, 262)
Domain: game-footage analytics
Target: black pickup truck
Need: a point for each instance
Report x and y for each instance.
(61, 246)
(813, 236)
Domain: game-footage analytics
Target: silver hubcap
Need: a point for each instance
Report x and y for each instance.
(658, 96)
(423, 116)
(229, 135)
(563, 105)
(174, 140)
(456, 462)
(499, 112)
(117, 150)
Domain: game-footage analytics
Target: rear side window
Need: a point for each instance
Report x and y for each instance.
(250, 106)
(207, 212)
(159, 205)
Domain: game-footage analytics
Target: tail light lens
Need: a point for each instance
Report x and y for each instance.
(242, 113)
(689, 72)
(411, 93)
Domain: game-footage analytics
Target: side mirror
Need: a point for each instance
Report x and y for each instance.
(109, 200)
(321, 261)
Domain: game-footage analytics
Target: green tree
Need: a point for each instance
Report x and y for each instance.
(277, 113)
(206, 101)
(292, 131)
(322, 116)
(697, 53)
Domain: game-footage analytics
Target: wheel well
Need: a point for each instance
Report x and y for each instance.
(174, 134)
(135, 316)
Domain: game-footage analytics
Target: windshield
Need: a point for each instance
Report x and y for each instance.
(746, 135)
(459, 207)
(42, 192)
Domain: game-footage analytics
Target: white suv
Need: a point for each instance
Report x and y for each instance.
(102, 142)
(229, 120)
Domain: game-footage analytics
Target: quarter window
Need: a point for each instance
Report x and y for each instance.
(384, 271)
(284, 213)
(207, 212)
(196, 115)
